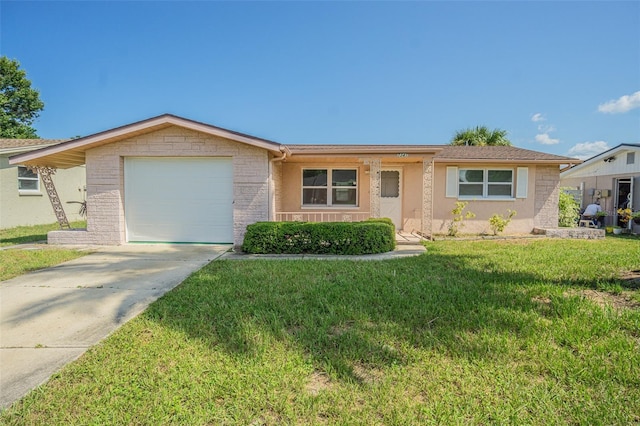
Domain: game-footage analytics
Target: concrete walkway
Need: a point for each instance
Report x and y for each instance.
(51, 317)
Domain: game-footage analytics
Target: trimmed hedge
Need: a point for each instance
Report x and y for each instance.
(372, 236)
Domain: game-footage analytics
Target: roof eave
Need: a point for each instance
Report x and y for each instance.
(140, 127)
(18, 150)
(391, 150)
(507, 160)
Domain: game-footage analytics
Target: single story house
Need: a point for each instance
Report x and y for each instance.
(170, 179)
(23, 196)
(611, 177)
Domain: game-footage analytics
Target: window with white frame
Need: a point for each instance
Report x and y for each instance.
(330, 187)
(28, 180)
(485, 183)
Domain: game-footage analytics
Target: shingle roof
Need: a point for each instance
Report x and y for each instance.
(27, 143)
(499, 153)
(357, 149)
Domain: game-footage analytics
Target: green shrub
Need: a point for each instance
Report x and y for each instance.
(499, 222)
(381, 220)
(458, 217)
(568, 210)
(373, 236)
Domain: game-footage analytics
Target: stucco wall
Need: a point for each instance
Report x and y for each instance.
(105, 180)
(35, 208)
(290, 196)
(539, 207)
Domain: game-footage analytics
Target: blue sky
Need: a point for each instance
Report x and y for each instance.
(560, 77)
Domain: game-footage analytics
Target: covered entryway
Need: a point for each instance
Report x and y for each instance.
(188, 199)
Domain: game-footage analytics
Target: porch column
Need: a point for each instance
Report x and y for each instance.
(374, 185)
(45, 173)
(427, 197)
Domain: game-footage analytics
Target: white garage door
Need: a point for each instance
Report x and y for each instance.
(179, 199)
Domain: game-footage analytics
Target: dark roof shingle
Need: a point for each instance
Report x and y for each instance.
(28, 143)
(501, 153)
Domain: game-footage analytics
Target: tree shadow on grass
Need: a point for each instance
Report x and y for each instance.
(347, 314)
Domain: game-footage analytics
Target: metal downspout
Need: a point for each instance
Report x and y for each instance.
(272, 190)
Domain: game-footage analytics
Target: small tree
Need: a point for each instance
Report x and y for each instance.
(499, 222)
(20, 105)
(568, 210)
(458, 217)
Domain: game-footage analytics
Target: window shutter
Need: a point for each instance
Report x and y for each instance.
(522, 182)
(452, 182)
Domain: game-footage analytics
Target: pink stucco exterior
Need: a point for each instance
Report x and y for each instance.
(538, 209)
(267, 179)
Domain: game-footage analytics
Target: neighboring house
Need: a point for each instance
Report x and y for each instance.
(23, 198)
(176, 180)
(612, 177)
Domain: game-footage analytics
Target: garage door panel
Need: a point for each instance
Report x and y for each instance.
(179, 199)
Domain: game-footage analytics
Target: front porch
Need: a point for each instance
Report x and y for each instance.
(354, 185)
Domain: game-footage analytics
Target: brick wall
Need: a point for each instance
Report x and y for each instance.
(546, 196)
(105, 180)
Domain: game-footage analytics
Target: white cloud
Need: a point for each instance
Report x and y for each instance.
(537, 117)
(543, 128)
(588, 149)
(545, 139)
(623, 104)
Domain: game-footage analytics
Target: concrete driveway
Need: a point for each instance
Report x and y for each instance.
(51, 317)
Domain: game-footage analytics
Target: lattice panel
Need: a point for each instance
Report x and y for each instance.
(375, 164)
(427, 196)
(45, 173)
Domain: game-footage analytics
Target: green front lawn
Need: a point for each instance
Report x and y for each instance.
(32, 233)
(16, 262)
(488, 332)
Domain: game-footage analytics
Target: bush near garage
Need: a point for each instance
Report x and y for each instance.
(368, 237)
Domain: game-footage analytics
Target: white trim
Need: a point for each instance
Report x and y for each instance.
(28, 179)
(485, 184)
(329, 188)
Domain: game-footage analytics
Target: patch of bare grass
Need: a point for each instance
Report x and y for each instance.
(317, 383)
(623, 300)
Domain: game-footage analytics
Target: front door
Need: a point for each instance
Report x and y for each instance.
(391, 195)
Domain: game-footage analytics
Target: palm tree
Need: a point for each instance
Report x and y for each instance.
(480, 136)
